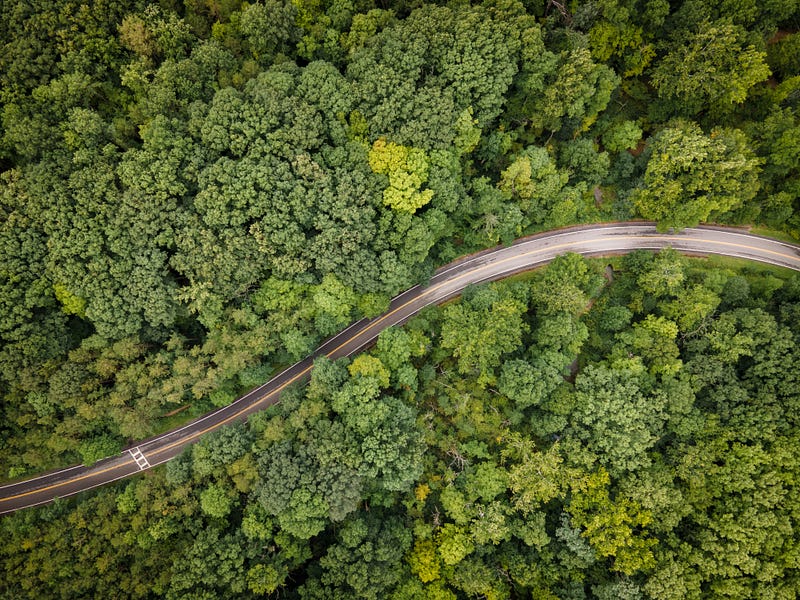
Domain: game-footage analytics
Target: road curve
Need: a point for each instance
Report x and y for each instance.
(447, 282)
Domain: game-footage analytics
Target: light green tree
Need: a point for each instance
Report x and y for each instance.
(692, 177)
(712, 67)
(478, 337)
(407, 169)
(215, 502)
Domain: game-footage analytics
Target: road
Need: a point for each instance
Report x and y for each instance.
(447, 282)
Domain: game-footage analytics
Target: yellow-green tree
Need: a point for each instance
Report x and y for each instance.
(692, 176)
(407, 170)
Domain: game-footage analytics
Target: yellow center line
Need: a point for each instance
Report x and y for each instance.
(375, 323)
(71, 480)
(734, 244)
(230, 417)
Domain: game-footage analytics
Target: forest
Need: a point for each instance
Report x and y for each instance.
(194, 194)
(471, 455)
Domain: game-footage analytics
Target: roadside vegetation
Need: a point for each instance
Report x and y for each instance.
(634, 438)
(195, 194)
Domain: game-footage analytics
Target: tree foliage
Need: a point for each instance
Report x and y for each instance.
(193, 195)
(693, 177)
(661, 462)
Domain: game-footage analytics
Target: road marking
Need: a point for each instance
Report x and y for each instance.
(141, 459)
(231, 417)
(435, 287)
(735, 245)
(62, 483)
(430, 290)
(42, 476)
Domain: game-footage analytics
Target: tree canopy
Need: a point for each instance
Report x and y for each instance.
(648, 458)
(194, 194)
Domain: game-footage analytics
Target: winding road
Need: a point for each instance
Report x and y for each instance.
(447, 282)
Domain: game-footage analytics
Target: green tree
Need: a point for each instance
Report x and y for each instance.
(616, 38)
(650, 342)
(615, 419)
(711, 67)
(693, 177)
(265, 578)
(213, 562)
(611, 526)
(269, 28)
(539, 188)
(479, 335)
(365, 561)
(529, 384)
(215, 502)
(621, 136)
(782, 56)
(97, 448)
(578, 90)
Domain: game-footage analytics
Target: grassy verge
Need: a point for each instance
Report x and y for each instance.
(773, 233)
(742, 265)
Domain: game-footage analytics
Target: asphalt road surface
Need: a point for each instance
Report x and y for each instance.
(447, 282)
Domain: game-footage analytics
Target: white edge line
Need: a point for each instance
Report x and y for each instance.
(519, 268)
(91, 487)
(43, 475)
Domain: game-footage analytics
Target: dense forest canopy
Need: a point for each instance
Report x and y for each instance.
(633, 438)
(194, 194)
